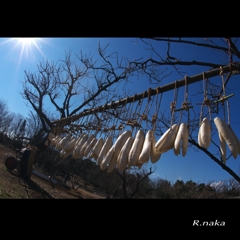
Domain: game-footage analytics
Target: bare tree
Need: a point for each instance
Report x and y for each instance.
(66, 80)
(6, 116)
(72, 85)
(33, 124)
(132, 182)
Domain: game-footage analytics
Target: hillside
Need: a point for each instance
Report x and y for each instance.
(11, 187)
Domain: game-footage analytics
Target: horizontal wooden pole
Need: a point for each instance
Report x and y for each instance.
(148, 93)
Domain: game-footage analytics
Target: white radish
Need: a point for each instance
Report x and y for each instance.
(74, 150)
(155, 155)
(222, 148)
(146, 149)
(107, 158)
(122, 160)
(58, 141)
(166, 142)
(112, 157)
(96, 149)
(70, 146)
(89, 147)
(237, 140)
(55, 141)
(136, 148)
(64, 141)
(181, 140)
(51, 136)
(204, 135)
(105, 148)
(199, 138)
(82, 140)
(228, 136)
(84, 146)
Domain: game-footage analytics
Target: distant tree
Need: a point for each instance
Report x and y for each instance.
(17, 121)
(6, 117)
(33, 124)
(163, 188)
(135, 184)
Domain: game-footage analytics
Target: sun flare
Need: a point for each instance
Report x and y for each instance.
(26, 41)
(27, 46)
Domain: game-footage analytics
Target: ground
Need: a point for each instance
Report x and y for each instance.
(11, 187)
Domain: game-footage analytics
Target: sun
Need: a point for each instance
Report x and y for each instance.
(27, 46)
(27, 41)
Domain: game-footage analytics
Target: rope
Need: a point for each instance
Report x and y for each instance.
(157, 108)
(173, 104)
(185, 103)
(141, 116)
(223, 101)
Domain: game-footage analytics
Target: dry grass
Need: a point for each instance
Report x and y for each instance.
(11, 187)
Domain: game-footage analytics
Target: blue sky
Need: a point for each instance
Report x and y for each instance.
(196, 165)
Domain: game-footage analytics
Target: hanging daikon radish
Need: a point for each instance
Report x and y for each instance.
(199, 139)
(89, 147)
(52, 141)
(112, 156)
(204, 134)
(70, 145)
(64, 141)
(64, 154)
(96, 149)
(58, 142)
(228, 136)
(122, 160)
(84, 146)
(51, 136)
(107, 158)
(166, 142)
(105, 148)
(77, 141)
(181, 140)
(237, 140)
(78, 146)
(146, 149)
(55, 140)
(74, 152)
(222, 148)
(155, 155)
(136, 148)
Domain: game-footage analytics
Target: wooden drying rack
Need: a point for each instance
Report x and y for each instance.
(148, 93)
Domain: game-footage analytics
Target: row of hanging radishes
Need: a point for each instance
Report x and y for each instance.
(130, 151)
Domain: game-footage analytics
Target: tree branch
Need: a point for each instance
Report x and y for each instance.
(226, 168)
